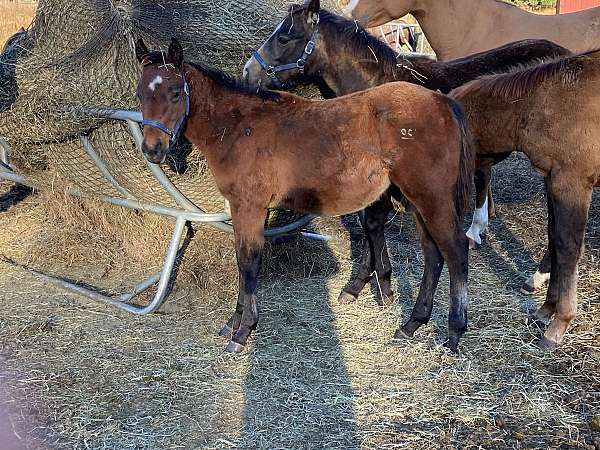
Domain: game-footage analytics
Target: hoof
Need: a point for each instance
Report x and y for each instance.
(226, 331)
(402, 334)
(534, 320)
(453, 347)
(527, 288)
(473, 245)
(542, 318)
(234, 347)
(346, 298)
(546, 344)
(386, 300)
(535, 282)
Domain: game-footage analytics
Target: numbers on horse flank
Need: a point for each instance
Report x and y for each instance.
(407, 133)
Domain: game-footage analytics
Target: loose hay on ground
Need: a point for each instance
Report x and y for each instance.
(318, 374)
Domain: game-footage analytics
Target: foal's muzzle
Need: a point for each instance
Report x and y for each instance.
(156, 154)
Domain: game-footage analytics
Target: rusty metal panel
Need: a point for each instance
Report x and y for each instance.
(567, 6)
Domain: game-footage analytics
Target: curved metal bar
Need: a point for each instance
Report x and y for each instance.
(120, 301)
(110, 113)
(89, 149)
(3, 151)
(214, 219)
(177, 195)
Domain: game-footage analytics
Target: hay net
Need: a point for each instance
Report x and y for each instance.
(80, 53)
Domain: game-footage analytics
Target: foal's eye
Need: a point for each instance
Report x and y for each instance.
(175, 96)
(284, 39)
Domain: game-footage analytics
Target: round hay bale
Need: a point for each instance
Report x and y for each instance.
(80, 53)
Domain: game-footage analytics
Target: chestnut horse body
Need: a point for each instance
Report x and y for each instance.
(551, 113)
(457, 28)
(347, 59)
(334, 157)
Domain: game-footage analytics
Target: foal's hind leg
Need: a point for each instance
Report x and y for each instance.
(570, 203)
(483, 205)
(375, 257)
(542, 275)
(444, 227)
(248, 225)
(434, 262)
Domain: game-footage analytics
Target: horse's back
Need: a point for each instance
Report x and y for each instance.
(577, 31)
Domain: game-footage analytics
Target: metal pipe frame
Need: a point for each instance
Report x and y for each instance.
(121, 301)
(186, 213)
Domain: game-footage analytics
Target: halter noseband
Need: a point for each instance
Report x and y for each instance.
(176, 131)
(272, 71)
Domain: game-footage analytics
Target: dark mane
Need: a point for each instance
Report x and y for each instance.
(218, 76)
(360, 42)
(523, 79)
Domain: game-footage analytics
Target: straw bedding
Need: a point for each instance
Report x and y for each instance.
(317, 374)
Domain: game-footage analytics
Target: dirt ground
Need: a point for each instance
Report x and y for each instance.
(317, 374)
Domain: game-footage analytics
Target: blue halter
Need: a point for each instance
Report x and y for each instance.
(176, 131)
(299, 65)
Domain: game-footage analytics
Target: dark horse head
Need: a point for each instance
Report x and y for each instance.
(280, 62)
(164, 96)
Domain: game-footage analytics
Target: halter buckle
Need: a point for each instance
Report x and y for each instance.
(270, 71)
(310, 46)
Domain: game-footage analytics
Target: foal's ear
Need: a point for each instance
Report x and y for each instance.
(141, 51)
(175, 53)
(312, 12)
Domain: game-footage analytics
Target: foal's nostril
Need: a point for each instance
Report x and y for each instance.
(156, 155)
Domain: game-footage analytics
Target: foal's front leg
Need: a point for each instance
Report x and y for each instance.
(248, 226)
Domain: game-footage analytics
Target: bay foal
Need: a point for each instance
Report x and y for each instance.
(269, 150)
(549, 112)
(345, 59)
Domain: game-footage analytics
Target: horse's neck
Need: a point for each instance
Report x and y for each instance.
(337, 66)
(215, 111)
(452, 27)
(338, 69)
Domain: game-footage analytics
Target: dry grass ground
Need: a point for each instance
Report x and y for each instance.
(317, 374)
(13, 15)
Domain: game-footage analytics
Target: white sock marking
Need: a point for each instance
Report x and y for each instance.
(538, 279)
(480, 223)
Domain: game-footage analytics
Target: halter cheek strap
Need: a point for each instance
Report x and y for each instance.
(299, 65)
(174, 132)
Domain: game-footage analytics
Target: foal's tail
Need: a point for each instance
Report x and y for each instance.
(467, 159)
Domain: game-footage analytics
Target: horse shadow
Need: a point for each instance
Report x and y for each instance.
(15, 195)
(308, 397)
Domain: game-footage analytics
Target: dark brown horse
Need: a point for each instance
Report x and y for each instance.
(345, 58)
(269, 150)
(549, 112)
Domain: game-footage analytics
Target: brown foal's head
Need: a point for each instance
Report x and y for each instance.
(164, 96)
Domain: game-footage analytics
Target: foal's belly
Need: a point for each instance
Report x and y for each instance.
(343, 193)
